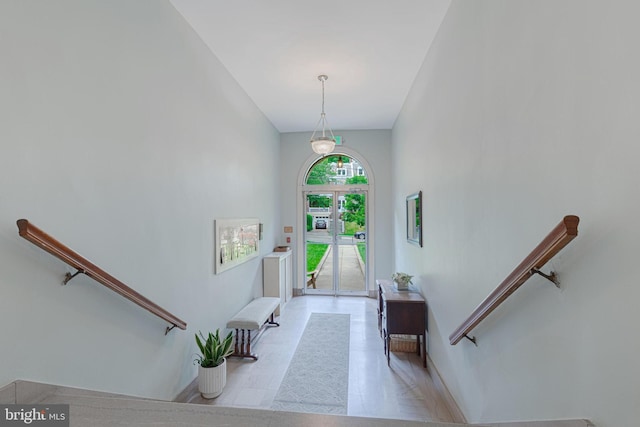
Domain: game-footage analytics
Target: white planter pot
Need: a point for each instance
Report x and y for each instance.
(402, 285)
(211, 381)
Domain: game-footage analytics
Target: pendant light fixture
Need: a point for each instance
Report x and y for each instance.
(340, 162)
(323, 144)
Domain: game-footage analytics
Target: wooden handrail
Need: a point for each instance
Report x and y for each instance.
(41, 239)
(557, 239)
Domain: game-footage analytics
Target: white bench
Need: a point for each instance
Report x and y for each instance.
(253, 316)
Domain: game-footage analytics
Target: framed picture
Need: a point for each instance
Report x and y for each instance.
(236, 242)
(414, 218)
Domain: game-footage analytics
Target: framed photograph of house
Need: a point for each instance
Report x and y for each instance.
(414, 218)
(236, 242)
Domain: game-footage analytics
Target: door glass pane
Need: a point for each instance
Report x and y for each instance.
(351, 240)
(319, 239)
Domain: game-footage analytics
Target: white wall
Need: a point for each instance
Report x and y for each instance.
(523, 112)
(373, 146)
(123, 137)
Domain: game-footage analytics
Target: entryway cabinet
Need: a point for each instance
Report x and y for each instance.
(277, 277)
(402, 313)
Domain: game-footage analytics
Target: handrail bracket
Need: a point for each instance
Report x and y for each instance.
(166, 331)
(70, 276)
(552, 276)
(472, 339)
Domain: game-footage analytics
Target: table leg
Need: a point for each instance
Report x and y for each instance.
(387, 346)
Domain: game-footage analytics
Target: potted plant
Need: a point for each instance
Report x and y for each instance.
(212, 366)
(402, 280)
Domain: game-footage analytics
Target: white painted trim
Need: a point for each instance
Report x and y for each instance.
(441, 386)
(302, 187)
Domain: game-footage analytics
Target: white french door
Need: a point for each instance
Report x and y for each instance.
(336, 242)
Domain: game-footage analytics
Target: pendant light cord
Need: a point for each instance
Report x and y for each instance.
(323, 119)
(323, 116)
(322, 80)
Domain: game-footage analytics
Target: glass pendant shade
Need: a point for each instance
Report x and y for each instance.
(323, 145)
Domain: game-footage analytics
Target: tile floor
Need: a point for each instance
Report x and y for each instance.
(403, 390)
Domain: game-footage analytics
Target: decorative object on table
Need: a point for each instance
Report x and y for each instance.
(212, 365)
(402, 280)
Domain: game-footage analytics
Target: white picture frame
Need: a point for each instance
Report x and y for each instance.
(237, 240)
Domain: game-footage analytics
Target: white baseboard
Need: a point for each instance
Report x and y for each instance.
(456, 413)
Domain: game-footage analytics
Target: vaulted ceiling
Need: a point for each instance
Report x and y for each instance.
(370, 49)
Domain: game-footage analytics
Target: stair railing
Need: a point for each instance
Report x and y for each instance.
(41, 239)
(557, 239)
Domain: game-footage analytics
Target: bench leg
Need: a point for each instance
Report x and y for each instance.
(249, 345)
(271, 321)
(235, 345)
(244, 350)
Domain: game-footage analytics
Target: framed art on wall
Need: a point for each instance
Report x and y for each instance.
(236, 242)
(414, 218)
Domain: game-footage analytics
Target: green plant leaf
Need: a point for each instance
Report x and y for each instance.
(200, 345)
(213, 349)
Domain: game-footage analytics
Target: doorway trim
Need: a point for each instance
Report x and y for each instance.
(335, 191)
(300, 206)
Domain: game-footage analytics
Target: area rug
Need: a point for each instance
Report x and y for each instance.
(317, 379)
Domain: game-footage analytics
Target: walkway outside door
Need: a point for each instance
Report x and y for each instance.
(336, 242)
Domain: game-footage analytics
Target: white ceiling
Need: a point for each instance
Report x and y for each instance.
(370, 49)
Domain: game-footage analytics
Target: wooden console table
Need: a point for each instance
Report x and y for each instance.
(401, 312)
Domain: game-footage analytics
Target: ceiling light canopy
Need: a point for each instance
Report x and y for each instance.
(323, 144)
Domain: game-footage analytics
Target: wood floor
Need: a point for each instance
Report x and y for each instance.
(404, 390)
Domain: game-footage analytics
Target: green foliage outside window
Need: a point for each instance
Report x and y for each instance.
(355, 203)
(315, 252)
(362, 251)
(321, 173)
(319, 201)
